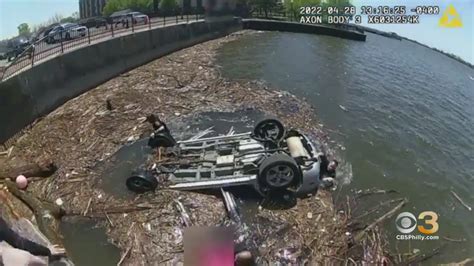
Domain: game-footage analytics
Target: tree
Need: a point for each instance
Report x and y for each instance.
(55, 19)
(72, 18)
(138, 5)
(69, 19)
(23, 29)
(293, 7)
(265, 5)
(244, 8)
(168, 6)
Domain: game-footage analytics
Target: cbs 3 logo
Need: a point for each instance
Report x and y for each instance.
(406, 222)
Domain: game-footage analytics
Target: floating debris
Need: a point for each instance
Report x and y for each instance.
(343, 108)
(81, 133)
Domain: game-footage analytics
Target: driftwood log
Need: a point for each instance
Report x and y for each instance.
(42, 167)
(382, 218)
(17, 206)
(47, 214)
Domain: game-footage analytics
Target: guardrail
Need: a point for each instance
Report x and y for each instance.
(62, 42)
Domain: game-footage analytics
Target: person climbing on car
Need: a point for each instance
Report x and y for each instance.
(327, 170)
(17, 255)
(162, 136)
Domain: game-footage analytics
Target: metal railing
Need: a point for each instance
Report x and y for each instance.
(281, 14)
(61, 42)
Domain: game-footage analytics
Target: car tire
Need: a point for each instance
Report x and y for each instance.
(279, 171)
(269, 129)
(142, 182)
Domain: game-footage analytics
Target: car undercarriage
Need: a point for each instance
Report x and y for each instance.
(267, 159)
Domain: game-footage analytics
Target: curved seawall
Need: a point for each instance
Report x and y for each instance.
(39, 90)
(274, 25)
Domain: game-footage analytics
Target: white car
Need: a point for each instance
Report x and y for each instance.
(138, 18)
(135, 17)
(66, 31)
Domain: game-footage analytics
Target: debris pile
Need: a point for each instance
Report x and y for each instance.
(89, 129)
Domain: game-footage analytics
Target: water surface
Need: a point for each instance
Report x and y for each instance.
(408, 123)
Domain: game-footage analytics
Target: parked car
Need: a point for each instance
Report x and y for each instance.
(18, 47)
(126, 17)
(138, 18)
(95, 22)
(43, 33)
(267, 159)
(65, 31)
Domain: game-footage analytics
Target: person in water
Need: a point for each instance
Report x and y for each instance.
(17, 255)
(327, 170)
(243, 257)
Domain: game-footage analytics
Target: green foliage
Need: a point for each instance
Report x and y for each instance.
(168, 5)
(23, 29)
(263, 5)
(137, 5)
(69, 19)
(338, 3)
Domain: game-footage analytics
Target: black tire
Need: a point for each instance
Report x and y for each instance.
(269, 129)
(142, 182)
(279, 171)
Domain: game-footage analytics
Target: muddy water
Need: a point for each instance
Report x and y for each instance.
(130, 157)
(404, 113)
(80, 233)
(87, 244)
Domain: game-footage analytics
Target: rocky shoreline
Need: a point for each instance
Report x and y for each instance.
(84, 132)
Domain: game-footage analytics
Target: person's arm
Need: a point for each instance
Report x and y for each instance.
(16, 241)
(323, 165)
(331, 173)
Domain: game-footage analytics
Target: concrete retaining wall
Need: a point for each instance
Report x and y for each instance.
(272, 25)
(39, 90)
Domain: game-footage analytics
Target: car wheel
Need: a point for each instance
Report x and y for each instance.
(142, 182)
(269, 129)
(279, 171)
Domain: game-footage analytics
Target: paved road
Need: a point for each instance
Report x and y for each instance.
(44, 51)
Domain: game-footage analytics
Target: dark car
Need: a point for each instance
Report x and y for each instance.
(96, 22)
(18, 47)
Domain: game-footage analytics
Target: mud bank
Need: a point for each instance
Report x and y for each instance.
(83, 133)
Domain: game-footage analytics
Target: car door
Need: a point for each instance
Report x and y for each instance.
(56, 33)
(69, 31)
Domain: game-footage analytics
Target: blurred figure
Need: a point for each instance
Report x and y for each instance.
(22, 250)
(208, 246)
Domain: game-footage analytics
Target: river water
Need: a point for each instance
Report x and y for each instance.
(408, 122)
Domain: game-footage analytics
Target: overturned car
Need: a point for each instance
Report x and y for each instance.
(269, 158)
